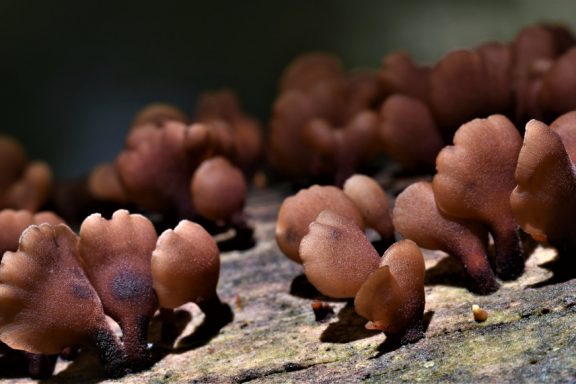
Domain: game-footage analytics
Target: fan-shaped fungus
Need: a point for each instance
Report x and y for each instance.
(474, 179)
(115, 255)
(392, 297)
(417, 218)
(336, 255)
(298, 211)
(69, 308)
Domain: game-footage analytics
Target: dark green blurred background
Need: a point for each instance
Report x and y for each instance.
(73, 73)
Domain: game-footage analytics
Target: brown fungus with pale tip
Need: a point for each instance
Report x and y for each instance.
(185, 268)
(70, 310)
(474, 179)
(299, 210)
(336, 255)
(544, 200)
(417, 218)
(373, 204)
(116, 256)
(392, 298)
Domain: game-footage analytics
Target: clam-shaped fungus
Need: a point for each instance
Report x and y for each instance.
(474, 179)
(115, 255)
(544, 201)
(47, 302)
(417, 218)
(298, 211)
(392, 298)
(336, 255)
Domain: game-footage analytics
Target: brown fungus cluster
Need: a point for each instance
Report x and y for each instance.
(185, 171)
(323, 228)
(327, 122)
(110, 270)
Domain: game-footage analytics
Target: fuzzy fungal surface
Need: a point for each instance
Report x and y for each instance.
(529, 336)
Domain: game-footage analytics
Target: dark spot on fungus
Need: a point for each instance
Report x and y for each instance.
(128, 285)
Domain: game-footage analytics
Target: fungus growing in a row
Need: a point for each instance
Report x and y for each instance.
(298, 211)
(323, 119)
(185, 268)
(399, 75)
(336, 255)
(373, 204)
(417, 218)
(469, 83)
(345, 148)
(474, 179)
(69, 308)
(544, 201)
(115, 255)
(408, 133)
(155, 168)
(221, 110)
(392, 298)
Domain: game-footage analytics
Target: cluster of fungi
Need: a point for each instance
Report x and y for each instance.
(187, 178)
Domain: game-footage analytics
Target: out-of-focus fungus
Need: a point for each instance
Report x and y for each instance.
(474, 179)
(409, 133)
(218, 190)
(336, 255)
(156, 114)
(23, 184)
(417, 218)
(392, 298)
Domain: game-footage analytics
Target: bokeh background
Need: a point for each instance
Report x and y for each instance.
(73, 73)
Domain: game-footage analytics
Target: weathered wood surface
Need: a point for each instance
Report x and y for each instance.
(529, 335)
